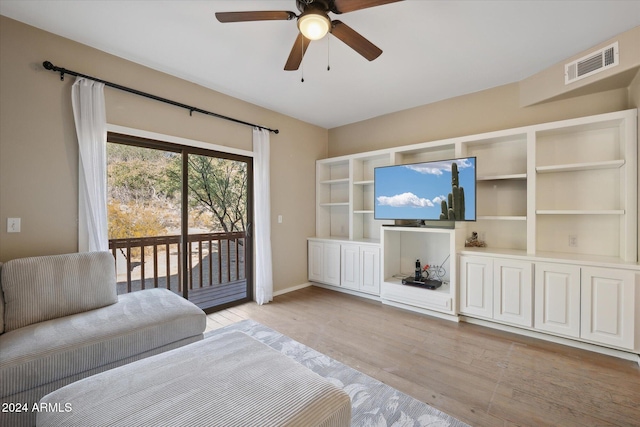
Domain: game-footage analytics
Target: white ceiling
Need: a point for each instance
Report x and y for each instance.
(432, 50)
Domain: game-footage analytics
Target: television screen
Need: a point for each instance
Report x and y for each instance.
(438, 190)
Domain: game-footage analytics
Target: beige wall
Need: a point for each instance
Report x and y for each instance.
(549, 84)
(38, 149)
(493, 109)
(501, 107)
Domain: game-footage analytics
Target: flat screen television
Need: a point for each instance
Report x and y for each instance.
(443, 190)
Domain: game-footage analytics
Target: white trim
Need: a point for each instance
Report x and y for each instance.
(347, 291)
(427, 312)
(291, 289)
(177, 140)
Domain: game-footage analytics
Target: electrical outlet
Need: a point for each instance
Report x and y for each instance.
(573, 241)
(13, 225)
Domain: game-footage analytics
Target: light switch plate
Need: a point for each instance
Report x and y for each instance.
(13, 225)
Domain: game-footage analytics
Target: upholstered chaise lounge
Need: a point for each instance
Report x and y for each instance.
(227, 380)
(61, 320)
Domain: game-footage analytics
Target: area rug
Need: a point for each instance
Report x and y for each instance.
(373, 403)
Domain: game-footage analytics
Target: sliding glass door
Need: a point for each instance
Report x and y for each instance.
(218, 205)
(179, 219)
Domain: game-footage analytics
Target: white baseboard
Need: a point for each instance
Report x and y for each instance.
(420, 310)
(347, 291)
(291, 289)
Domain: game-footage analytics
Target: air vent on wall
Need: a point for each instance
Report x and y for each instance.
(591, 64)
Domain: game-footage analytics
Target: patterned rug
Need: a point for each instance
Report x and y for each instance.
(374, 403)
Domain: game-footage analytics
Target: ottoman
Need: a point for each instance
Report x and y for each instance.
(227, 380)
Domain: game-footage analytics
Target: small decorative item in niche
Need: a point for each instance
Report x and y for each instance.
(474, 242)
(425, 271)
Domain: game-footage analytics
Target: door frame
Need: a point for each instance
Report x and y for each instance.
(144, 138)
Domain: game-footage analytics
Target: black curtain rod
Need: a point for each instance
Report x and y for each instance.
(49, 66)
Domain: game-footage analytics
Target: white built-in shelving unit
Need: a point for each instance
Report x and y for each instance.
(501, 196)
(551, 198)
(585, 196)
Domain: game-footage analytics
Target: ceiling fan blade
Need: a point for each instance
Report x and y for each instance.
(263, 15)
(355, 41)
(344, 6)
(297, 52)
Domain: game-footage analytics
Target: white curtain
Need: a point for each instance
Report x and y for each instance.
(262, 226)
(91, 128)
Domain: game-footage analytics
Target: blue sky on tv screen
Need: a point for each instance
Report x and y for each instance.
(415, 191)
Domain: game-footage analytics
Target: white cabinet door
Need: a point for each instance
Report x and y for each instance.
(608, 298)
(350, 265)
(315, 264)
(557, 299)
(513, 291)
(370, 269)
(476, 286)
(324, 262)
(331, 259)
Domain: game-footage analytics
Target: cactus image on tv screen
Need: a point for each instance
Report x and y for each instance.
(431, 191)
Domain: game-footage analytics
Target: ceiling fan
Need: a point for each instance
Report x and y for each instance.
(314, 23)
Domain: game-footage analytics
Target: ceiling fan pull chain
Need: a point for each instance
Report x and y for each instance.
(302, 60)
(328, 56)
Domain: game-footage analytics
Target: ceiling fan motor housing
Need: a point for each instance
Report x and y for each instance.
(318, 5)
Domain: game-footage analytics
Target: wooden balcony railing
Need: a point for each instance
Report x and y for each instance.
(152, 262)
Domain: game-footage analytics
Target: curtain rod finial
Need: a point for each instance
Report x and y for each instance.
(49, 66)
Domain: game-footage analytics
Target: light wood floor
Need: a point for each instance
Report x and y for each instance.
(479, 375)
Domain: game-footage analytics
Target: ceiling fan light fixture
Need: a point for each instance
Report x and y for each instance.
(314, 25)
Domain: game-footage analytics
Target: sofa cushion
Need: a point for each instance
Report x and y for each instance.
(47, 287)
(48, 351)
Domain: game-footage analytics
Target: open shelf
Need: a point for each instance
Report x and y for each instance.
(515, 176)
(443, 290)
(586, 187)
(401, 247)
(363, 225)
(501, 196)
(610, 164)
(579, 212)
(335, 181)
(335, 204)
(501, 199)
(501, 218)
